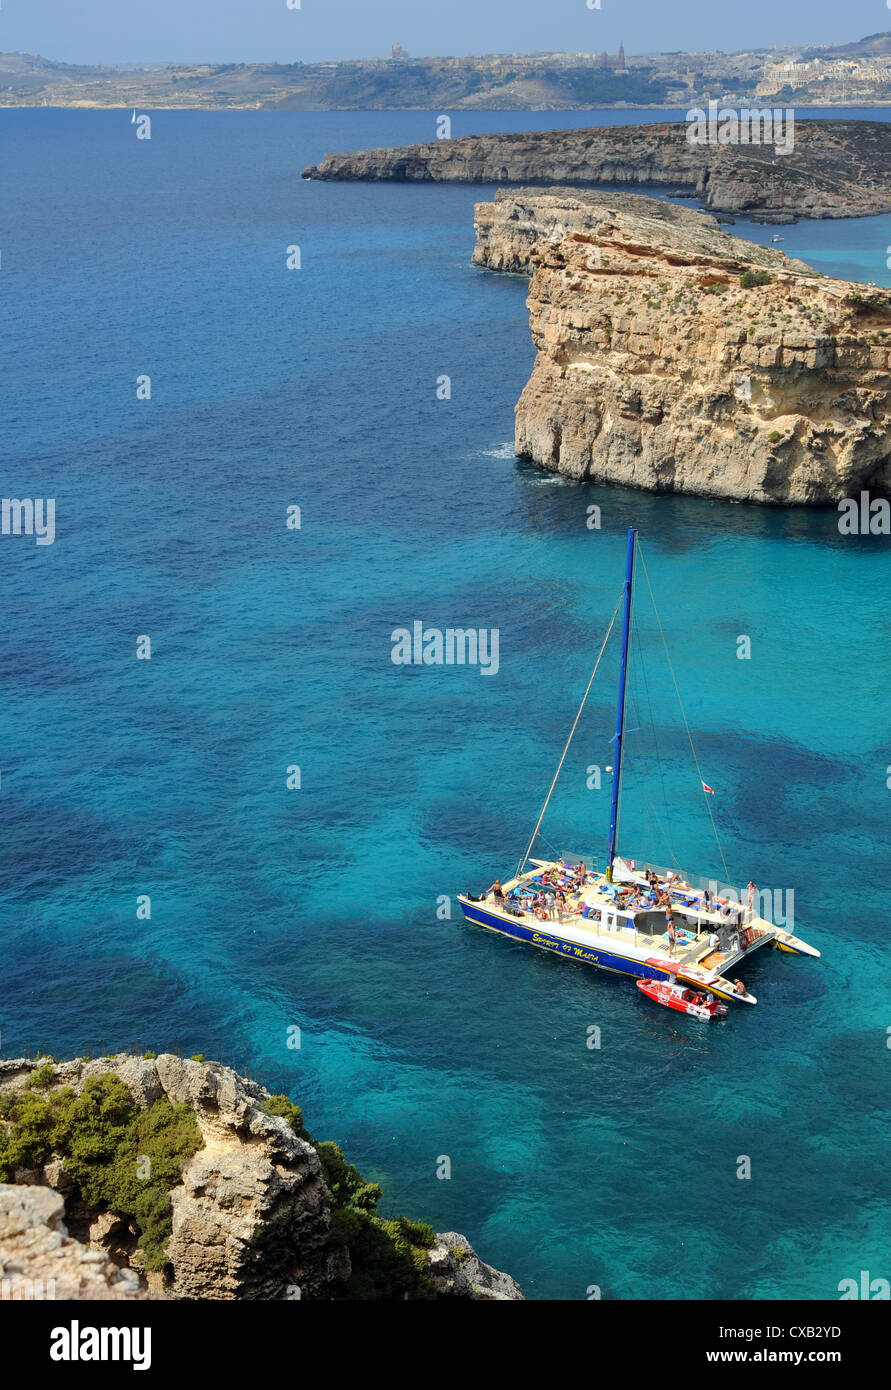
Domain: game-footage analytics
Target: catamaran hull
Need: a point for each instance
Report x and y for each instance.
(605, 957)
(552, 941)
(793, 946)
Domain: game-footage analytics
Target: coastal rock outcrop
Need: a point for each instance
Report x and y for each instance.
(39, 1260)
(458, 1272)
(252, 1217)
(834, 169)
(675, 357)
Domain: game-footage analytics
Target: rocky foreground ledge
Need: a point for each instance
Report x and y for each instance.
(140, 1177)
(835, 168)
(675, 357)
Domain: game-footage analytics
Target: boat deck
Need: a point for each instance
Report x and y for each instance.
(695, 950)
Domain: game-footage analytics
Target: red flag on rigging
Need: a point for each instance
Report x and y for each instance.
(707, 788)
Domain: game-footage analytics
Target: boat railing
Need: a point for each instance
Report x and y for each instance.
(718, 888)
(590, 861)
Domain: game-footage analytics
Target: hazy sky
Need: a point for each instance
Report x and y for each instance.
(251, 30)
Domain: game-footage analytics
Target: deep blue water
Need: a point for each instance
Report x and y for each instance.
(271, 647)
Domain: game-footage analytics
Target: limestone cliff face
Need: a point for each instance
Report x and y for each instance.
(835, 168)
(39, 1260)
(251, 1219)
(657, 369)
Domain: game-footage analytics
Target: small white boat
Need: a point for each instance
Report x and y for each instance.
(778, 238)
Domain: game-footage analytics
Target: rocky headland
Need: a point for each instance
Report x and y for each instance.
(161, 1177)
(835, 168)
(675, 357)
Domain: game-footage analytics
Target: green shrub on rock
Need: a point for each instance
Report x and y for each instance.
(122, 1158)
(388, 1256)
(281, 1105)
(345, 1183)
(41, 1077)
(750, 278)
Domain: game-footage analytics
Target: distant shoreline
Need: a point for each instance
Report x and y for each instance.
(454, 110)
(836, 76)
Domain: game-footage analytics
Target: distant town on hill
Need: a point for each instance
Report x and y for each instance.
(853, 74)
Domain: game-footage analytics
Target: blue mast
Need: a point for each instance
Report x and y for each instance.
(620, 711)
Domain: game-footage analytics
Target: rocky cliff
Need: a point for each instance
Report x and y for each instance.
(259, 1211)
(39, 1260)
(677, 358)
(834, 169)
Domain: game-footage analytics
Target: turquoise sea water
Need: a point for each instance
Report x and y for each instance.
(318, 908)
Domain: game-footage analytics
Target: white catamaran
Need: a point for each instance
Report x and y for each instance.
(681, 930)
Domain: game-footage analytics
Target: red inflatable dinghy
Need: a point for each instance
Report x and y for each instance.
(682, 998)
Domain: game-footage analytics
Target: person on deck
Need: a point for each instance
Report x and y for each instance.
(497, 892)
(672, 934)
(751, 890)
